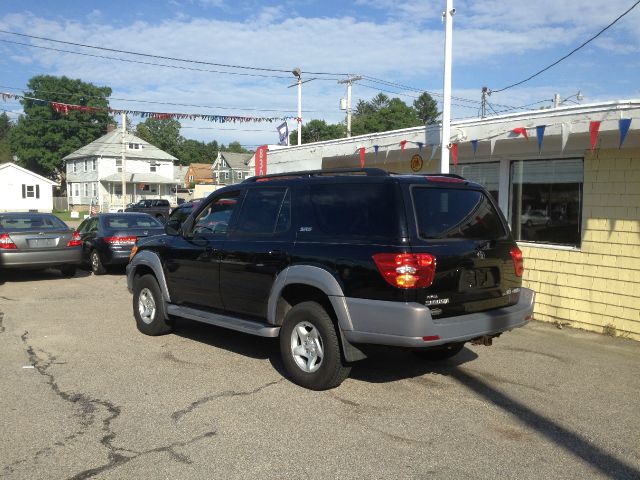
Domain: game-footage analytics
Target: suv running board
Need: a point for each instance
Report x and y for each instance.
(246, 326)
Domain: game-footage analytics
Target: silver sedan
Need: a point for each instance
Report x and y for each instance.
(38, 240)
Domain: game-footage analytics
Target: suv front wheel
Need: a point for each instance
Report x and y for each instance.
(148, 307)
(310, 348)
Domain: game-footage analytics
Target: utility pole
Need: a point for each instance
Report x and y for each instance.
(446, 107)
(296, 72)
(349, 81)
(483, 103)
(124, 161)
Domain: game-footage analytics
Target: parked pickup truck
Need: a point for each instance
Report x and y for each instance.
(159, 209)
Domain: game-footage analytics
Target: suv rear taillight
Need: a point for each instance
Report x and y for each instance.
(518, 261)
(407, 270)
(75, 240)
(121, 240)
(6, 243)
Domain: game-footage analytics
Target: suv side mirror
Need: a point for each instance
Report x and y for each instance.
(172, 227)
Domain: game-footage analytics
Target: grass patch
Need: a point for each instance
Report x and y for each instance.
(610, 330)
(65, 216)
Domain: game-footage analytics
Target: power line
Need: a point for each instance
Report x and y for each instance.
(163, 57)
(571, 52)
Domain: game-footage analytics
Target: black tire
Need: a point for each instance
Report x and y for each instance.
(319, 364)
(149, 307)
(68, 271)
(436, 354)
(96, 263)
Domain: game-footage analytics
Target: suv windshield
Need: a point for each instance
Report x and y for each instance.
(455, 213)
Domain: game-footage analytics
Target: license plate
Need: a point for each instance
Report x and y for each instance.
(477, 278)
(41, 242)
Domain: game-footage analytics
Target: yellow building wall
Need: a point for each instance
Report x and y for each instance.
(596, 287)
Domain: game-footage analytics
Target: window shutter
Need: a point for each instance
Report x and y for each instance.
(24, 191)
(37, 191)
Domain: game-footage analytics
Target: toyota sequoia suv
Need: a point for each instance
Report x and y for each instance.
(330, 261)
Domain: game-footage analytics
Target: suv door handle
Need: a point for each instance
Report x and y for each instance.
(211, 250)
(277, 254)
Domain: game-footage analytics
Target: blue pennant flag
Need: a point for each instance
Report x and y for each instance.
(375, 148)
(420, 145)
(623, 124)
(474, 145)
(540, 135)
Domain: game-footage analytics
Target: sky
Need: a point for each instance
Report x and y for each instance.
(495, 44)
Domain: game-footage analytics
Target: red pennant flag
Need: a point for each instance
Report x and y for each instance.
(403, 143)
(594, 130)
(454, 153)
(362, 150)
(521, 131)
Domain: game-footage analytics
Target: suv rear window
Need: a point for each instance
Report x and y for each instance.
(455, 213)
(351, 210)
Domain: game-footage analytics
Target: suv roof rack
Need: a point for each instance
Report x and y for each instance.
(369, 172)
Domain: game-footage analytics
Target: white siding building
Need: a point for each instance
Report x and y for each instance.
(22, 190)
(94, 173)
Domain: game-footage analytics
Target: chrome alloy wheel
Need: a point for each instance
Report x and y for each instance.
(95, 261)
(306, 347)
(146, 306)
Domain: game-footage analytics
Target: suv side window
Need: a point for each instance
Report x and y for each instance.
(215, 218)
(265, 211)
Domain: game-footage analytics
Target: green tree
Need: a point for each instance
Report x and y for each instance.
(382, 114)
(234, 147)
(426, 108)
(42, 137)
(6, 126)
(162, 133)
(317, 131)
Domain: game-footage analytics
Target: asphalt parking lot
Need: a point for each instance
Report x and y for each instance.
(84, 395)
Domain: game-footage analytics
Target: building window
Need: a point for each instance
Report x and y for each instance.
(29, 191)
(486, 174)
(191, 178)
(93, 164)
(76, 189)
(94, 188)
(86, 189)
(226, 175)
(74, 163)
(134, 146)
(119, 164)
(239, 175)
(85, 166)
(153, 167)
(546, 200)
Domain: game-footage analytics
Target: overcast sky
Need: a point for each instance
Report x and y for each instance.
(496, 43)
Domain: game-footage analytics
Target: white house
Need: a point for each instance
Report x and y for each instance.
(22, 190)
(95, 173)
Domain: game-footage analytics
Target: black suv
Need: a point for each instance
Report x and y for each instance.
(330, 261)
(158, 208)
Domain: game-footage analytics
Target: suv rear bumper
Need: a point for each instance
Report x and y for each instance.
(407, 324)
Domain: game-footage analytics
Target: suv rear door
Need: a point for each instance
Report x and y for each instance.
(462, 227)
(256, 250)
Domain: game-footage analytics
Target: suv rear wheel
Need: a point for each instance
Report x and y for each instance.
(310, 348)
(148, 307)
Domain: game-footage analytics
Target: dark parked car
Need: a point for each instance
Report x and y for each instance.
(182, 211)
(107, 239)
(158, 208)
(38, 240)
(330, 261)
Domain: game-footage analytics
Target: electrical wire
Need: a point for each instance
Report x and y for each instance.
(570, 53)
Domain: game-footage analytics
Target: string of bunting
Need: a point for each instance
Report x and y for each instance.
(65, 108)
(624, 124)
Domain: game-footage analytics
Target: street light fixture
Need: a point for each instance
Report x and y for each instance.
(298, 74)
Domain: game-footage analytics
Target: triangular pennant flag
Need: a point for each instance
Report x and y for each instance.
(540, 135)
(594, 130)
(474, 146)
(434, 148)
(362, 153)
(521, 131)
(623, 125)
(454, 153)
(403, 143)
(420, 145)
(492, 146)
(375, 148)
(565, 129)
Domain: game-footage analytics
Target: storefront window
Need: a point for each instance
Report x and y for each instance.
(546, 201)
(486, 174)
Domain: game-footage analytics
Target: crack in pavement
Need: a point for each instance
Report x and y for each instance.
(8, 299)
(178, 414)
(1, 322)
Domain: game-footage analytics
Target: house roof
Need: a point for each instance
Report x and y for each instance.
(237, 161)
(140, 178)
(110, 145)
(201, 170)
(179, 171)
(5, 167)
